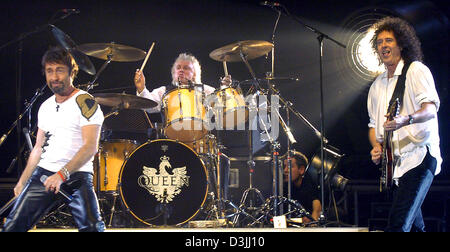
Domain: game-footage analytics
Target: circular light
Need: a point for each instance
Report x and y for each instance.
(364, 56)
(358, 64)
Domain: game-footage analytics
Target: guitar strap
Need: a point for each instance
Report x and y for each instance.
(399, 90)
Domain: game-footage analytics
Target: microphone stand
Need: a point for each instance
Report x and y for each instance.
(20, 40)
(38, 93)
(320, 38)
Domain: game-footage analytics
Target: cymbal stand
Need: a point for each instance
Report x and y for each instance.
(275, 146)
(289, 165)
(91, 84)
(321, 36)
(269, 206)
(250, 162)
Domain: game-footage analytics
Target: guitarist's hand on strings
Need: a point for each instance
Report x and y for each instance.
(398, 122)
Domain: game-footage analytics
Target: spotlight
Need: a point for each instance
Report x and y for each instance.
(359, 62)
(339, 182)
(363, 56)
(332, 157)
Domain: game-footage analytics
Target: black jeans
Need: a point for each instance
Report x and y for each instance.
(413, 186)
(34, 202)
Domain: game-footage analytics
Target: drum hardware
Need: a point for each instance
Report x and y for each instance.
(321, 36)
(242, 51)
(67, 43)
(59, 217)
(124, 101)
(79, 56)
(268, 208)
(29, 105)
(218, 165)
(251, 49)
(251, 167)
(236, 52)
(110, 52)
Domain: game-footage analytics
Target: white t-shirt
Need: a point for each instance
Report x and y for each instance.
(411, 141)
(62, 125)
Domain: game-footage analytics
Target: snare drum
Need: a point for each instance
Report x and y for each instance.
(184, 114)
(163, 182)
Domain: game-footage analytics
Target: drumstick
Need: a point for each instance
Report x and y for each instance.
(146, 57)
(225, 69)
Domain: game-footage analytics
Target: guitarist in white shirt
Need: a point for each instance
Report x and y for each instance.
(415, 137)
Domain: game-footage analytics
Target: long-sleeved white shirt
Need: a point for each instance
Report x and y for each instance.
(411, 141)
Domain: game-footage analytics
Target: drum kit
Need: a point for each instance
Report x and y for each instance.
(156, 179)
(184, 163)
(183, 173)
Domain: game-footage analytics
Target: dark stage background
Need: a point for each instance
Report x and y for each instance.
(201, 26)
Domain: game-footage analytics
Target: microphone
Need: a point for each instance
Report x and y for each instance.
(11, 165)
(70, 11)
(61, 191)
(270, 4)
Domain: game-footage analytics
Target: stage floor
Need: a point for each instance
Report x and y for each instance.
(218, 230)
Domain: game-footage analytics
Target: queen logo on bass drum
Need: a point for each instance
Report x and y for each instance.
(164, 183)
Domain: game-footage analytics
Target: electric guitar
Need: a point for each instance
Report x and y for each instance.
(387, 163)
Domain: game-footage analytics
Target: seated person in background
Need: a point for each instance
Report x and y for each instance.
(303, 188)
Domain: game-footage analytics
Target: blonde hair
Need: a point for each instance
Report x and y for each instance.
(197, 68)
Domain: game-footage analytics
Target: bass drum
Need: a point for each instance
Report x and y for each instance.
(163, 183)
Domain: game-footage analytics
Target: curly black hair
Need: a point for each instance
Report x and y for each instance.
(404, 34)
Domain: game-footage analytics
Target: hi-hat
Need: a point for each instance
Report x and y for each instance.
(124, 101)
(250, 49)
(112, 51)
(67, 43)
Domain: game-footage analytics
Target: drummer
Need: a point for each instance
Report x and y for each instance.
(185, 71)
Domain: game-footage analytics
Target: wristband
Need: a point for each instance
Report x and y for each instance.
(62, 176)
(65, 173)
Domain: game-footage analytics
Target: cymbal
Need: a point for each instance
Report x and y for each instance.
(251, 49)
(67, 43)
(117, 52)
(125, 101)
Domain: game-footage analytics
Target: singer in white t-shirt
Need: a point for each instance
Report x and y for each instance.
(60, 165)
